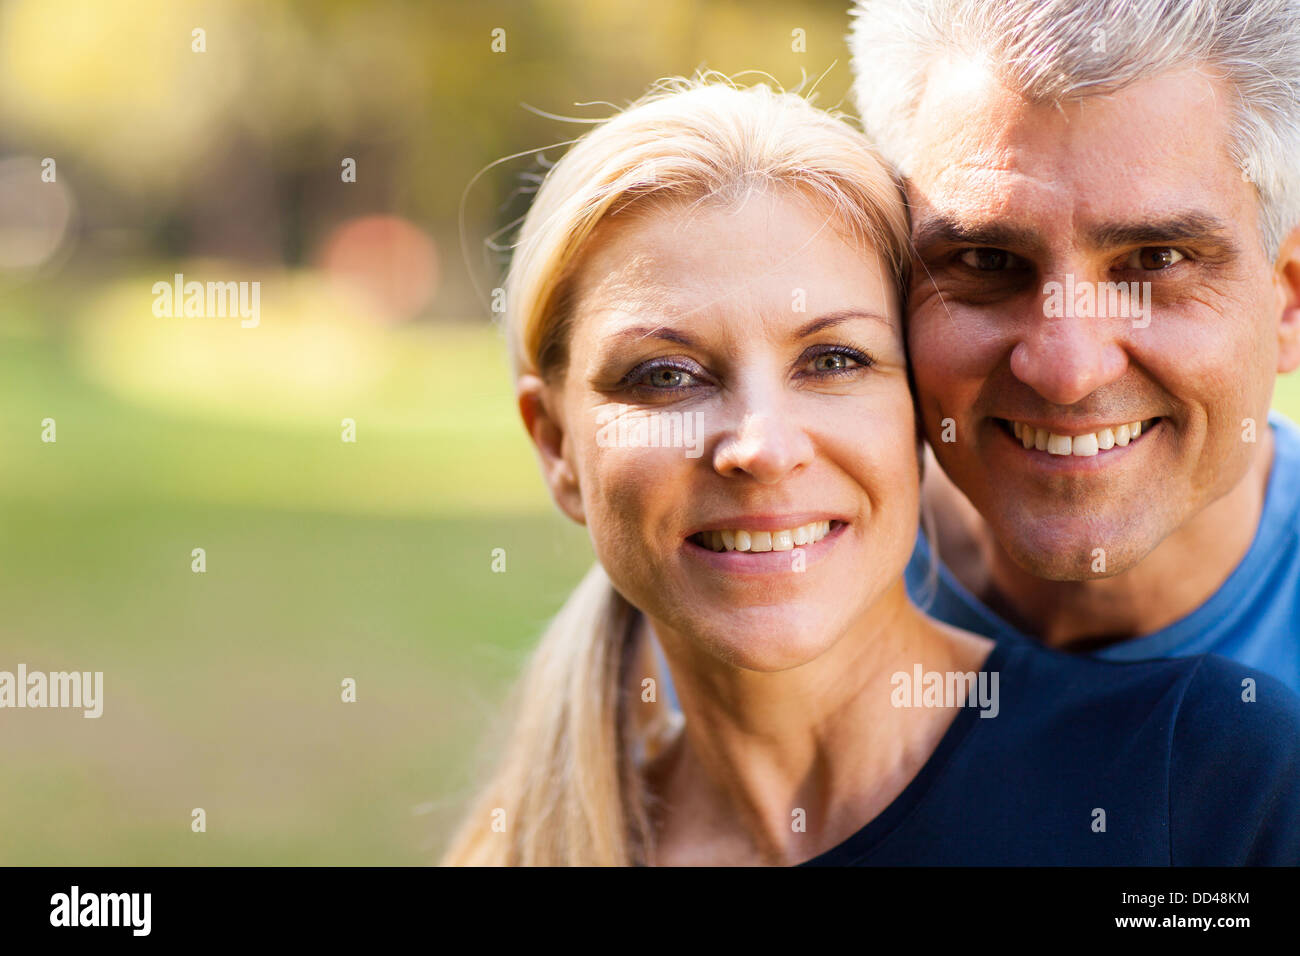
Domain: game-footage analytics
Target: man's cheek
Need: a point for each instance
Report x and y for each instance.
(956, 343)
(945, 386)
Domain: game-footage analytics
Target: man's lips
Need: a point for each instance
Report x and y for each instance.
(1075, 441)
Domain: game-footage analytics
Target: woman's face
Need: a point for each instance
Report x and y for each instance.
(737, 428)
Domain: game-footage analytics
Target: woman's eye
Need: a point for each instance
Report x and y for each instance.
(665, 377)
(834, 362)
(1153, 258)
(988, 259)
(838, 361)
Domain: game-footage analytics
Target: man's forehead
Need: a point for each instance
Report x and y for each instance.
(1156, 150)
(969, 122)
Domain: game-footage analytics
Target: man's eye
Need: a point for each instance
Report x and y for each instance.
(988, 259)
(1153, 258)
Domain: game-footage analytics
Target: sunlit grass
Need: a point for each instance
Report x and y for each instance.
(324, 560)
(150, 409)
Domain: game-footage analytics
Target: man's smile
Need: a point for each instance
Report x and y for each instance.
(1066, 449)
(1080, 443)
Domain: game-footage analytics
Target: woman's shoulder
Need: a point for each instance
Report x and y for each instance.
(1238, 695)
(1194, 675)
(1234, 708)
(1210, 746)
(1222, 739)
(1234, 769)
(1204, 701)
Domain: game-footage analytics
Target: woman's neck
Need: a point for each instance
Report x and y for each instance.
(775, 768)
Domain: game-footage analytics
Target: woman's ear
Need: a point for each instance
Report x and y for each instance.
(546, 427)
(1287, 273)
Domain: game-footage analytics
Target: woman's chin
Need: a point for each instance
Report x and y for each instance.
(768, 639)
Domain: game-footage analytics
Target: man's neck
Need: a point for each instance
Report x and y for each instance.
(1168, 584)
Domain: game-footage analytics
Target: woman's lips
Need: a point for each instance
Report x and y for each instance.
(777, 557)
(748, 537)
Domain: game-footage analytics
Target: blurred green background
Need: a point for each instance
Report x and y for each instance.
(325, 559)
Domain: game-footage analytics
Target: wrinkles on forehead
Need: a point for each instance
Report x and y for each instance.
(1150, 162)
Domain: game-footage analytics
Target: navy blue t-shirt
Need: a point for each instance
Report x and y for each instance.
(1254, 618)
(1186, 761)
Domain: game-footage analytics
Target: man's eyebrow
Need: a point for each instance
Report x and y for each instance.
(1182, 227)
(951, 229)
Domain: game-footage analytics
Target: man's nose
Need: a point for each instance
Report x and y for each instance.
(763, 439)
(1066, 357)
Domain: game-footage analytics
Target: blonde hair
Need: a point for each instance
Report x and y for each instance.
(570, 783)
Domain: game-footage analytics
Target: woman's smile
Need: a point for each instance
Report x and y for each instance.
(765, 544)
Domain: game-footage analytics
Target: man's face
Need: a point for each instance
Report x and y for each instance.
(1022, 214)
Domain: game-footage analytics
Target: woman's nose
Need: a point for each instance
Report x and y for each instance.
(766, 442)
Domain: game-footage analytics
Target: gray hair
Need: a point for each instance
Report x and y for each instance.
(1051, 50)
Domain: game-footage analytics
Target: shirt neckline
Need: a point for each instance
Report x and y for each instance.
(1222, 606)
(881, 826)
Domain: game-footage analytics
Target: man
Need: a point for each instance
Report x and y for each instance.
(1106, 283)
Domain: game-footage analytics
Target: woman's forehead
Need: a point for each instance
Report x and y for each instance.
(679, 258)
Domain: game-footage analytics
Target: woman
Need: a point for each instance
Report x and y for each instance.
(706, 326)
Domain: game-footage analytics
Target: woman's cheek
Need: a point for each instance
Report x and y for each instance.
(881, 445)
(629, 498)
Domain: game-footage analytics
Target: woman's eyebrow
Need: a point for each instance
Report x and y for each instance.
(829, 320)
(832, 319)
(656, 332)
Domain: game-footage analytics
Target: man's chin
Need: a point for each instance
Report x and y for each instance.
(1063, 551)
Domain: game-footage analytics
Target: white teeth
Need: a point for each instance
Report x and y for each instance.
(784, 540)
(1058, 444)
(1081, 446)
(1085, 446)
